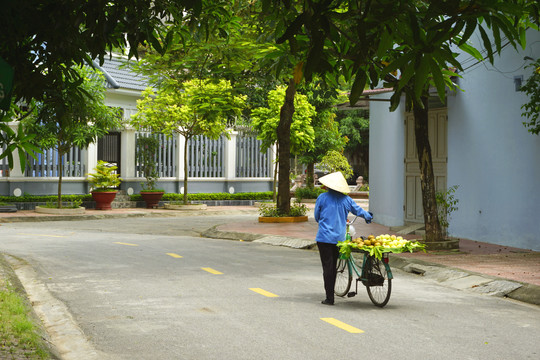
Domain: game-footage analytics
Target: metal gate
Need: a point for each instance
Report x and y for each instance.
(109, 149)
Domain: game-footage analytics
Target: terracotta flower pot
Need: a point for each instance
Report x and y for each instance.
(151, 198)
(103, 199)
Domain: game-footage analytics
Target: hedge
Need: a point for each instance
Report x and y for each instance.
(45, 198)
(137, 197)
(212, 196)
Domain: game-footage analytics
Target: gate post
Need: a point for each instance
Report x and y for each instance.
(230, 156)
(127, 153)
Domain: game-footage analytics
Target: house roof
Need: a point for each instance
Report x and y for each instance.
(119, 75)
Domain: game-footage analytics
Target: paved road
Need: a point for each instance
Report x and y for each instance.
(151, 288)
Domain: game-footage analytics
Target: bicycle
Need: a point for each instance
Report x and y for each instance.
(373, 273)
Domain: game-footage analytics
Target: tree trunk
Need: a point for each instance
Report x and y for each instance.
(310, 176)
(186, 171)
(274, 190)
(284, 149)
(60, 171)
(427, 178)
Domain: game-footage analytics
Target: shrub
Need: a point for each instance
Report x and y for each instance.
(45, 198)
(213, 196)
(308, 192)
(271, 210)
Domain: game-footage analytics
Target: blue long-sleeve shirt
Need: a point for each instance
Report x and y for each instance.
(331, 211)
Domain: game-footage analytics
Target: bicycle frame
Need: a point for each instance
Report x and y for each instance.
(361, 274)
(376, 279)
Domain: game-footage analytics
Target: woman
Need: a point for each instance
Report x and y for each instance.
(331, 211)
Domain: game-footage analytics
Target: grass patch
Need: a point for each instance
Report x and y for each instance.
(19, 338)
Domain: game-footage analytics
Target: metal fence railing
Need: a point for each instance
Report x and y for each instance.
(165, 157)
(206, 157)
(250, 161)
(47, 164)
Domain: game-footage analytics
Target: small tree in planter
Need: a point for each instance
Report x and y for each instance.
(147, 148)
(196, 107)
(104, 181)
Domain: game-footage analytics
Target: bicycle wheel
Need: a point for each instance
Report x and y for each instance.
(343, 278)
(378, 285)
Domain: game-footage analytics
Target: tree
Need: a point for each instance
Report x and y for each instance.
(326, 129)
(72, 115)
(196, 107)
(225, 41)
(41, 40)
(267, 120)
(531, 109)
(365, 42)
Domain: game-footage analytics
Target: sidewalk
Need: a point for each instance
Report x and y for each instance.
(480, 267)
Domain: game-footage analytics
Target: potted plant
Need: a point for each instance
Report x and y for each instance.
(104, 181)
(148, 147)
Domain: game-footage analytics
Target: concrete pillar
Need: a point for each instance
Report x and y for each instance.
(91, 157)
(127, 151)
(230, 156)
(180, 156)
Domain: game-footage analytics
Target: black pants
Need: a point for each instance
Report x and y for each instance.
(329, 256)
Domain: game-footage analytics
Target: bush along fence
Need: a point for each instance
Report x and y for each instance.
(29, 202)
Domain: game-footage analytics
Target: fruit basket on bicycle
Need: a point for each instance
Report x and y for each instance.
(370, 264)
(379, 245)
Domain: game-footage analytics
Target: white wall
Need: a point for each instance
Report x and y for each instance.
(386, 167)
(492, 157)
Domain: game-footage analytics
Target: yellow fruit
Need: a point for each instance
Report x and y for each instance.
(367, 242)
(377, 243)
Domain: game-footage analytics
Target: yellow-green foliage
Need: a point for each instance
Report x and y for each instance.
(266, 120)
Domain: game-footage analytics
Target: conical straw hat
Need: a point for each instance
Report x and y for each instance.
(335, 181)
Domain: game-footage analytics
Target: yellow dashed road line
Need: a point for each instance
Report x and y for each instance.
(175, 255)
(128, 244)
(212, 271)
(58, 236)
(263, 292)
(342, 325)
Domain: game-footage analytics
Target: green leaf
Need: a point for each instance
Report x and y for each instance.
(523, 37)
(358, 86)
(395, 100)
(385, 43)
(421, 78)
(471, 26)
(487, 43)
(292, 29)
(471, 50)
(398, 63)
(438, 79)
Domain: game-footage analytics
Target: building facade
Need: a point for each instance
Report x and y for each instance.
(478, 143)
